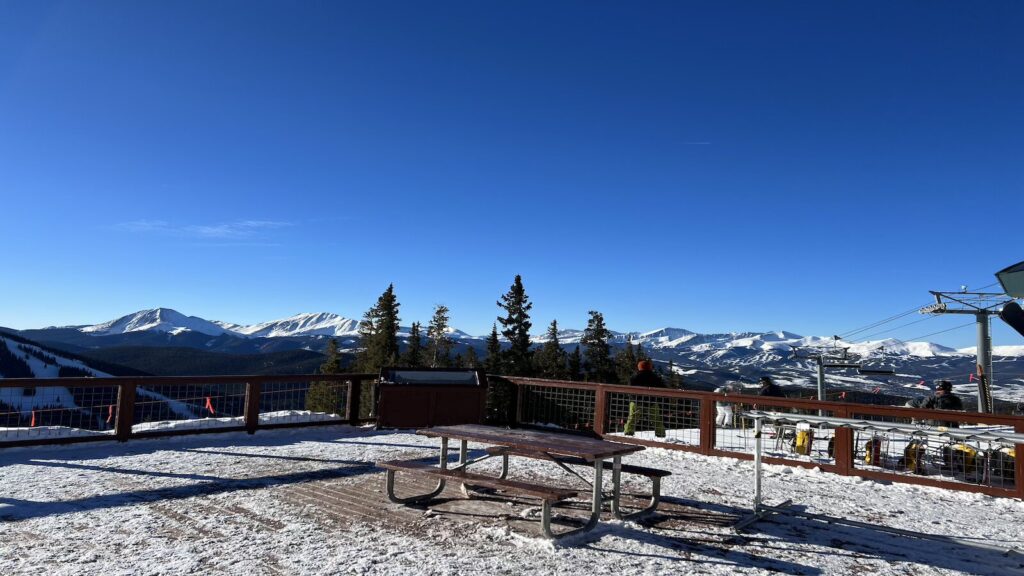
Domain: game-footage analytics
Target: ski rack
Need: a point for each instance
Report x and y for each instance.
(762, 510)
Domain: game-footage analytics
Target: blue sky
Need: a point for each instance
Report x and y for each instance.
(717, 166)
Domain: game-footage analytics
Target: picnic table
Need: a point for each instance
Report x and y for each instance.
(562, 450)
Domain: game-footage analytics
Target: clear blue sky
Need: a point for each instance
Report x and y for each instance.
(717, 166)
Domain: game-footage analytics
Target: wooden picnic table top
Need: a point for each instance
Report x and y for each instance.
(555, 443)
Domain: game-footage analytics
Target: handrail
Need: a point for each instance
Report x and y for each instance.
(844, 447)
(219, 379)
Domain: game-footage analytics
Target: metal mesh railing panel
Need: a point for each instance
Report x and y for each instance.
(906, 453)
(569, 408)
(798, 442)
(31, 413)
(297, 402)
(160, 407)
(650, 417)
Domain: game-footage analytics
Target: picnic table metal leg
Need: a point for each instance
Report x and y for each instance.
(390, 480)
(616, 485)
(617, 493)
(597, 504)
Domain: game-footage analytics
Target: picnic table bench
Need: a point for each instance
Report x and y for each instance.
(562, 449)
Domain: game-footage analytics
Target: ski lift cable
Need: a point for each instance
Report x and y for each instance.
(941, 331)
(869, 336)
(847, 334)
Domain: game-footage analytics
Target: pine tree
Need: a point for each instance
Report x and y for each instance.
(674, 379)
(379, 333)
(326, 396)
(576, 365)
(414, 353)
(596, 360)
(439, 344)
(625, 363)
(516, 328)
(471, 360)
(493, 363)
(551, 358)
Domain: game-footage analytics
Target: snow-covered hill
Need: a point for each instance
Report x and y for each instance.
(309, 324)
(709, 358)
(155, 320)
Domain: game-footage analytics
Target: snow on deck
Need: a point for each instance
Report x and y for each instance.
(309, 501)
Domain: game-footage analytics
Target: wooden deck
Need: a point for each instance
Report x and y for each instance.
(346, 501)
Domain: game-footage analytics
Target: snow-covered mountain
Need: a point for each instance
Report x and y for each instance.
(155, 320)
(701, 357)
(21, 359)
(309, 324)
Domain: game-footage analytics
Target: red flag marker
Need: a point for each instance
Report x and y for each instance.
(209, 405)
(33, 423)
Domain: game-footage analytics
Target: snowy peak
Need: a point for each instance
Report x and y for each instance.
(156, 320)
(310, 324)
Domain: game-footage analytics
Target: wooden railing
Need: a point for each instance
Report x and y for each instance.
(37, 410)
(689, 418)
(61, 410)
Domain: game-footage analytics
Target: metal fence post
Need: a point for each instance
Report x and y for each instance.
(1018, 463)
(252, 406)
(125, 411)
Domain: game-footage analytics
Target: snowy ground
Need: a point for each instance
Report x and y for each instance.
(275, 502)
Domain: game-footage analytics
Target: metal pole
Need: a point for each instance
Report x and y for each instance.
(984, 360)
(757, 465)
(821, 382)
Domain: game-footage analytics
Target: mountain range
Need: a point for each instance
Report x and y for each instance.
(709, 358)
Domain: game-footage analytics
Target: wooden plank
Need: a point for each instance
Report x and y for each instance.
(627, 468)
(535, 441)
(548, 493)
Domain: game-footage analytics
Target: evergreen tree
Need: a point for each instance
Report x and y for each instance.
(379, 333)
(576, 364)
(471, 360)
(551, 358)
(674, 379)
(326, 396)
(439, 345)
(625, 363)
(596, 360)
(332, 365)
(493, 364)
(414, 353)
(516, 328)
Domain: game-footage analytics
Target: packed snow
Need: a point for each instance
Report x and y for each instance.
(245, 504)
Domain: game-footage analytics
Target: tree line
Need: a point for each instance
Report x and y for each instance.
(591, 360)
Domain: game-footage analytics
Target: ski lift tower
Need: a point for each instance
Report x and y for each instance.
(982, 305)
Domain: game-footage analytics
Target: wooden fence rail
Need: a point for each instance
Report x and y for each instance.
(844, 449)
(355, 412)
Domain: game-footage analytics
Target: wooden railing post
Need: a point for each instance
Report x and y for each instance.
(600, 410)
(125, 411)
(352, 403)
(707, 426)
(252, 406)
(843, 449)
(519, 395)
